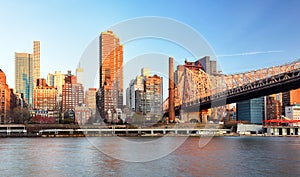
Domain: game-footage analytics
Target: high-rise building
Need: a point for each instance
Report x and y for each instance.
(36, 60)
(145, 94)
(110, 94)
(145, 72)
(153, 92)
(72, 93)
(27, 70)
(4, 99)
(273, 107)
(290, 98)
(251, 110)
(90, 99)
(24, 81)
(80, 75)
(209, 66)
(134, 85)
(44, 96)
(57, 80)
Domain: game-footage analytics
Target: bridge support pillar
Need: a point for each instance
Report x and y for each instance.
(203, 116)
(284, 131)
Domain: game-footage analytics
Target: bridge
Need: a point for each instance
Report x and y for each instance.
(196, 90)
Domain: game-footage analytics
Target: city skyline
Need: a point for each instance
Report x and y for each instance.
(268, 23)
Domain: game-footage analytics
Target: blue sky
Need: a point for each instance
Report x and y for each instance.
(246, 35)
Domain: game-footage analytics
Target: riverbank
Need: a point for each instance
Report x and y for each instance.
(172, 130)
(138, 135)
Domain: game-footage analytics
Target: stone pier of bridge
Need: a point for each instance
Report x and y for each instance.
(201, 116)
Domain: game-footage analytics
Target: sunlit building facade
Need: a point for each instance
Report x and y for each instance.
(82, 114)
(72, 93)
(57, 79)
(110, 94)
(273, 107)
(145, 95)
(4, 99)
(27, 71)
(290, 98)
(44, 96)
(90, 99)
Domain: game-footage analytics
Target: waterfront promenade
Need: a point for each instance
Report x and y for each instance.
(109, 130)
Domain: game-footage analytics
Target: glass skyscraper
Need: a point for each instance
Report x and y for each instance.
(251, 110)
(27, 71)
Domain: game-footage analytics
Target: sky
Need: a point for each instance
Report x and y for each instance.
(244, 35)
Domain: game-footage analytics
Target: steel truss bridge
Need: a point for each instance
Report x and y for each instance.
(196, 90)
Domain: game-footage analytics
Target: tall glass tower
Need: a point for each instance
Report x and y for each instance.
(27, 71)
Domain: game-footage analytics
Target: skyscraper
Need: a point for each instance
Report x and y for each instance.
(36, 61)
(110, 94)
(27, 71)
(24, 81)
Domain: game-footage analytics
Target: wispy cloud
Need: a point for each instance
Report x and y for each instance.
(250, 53)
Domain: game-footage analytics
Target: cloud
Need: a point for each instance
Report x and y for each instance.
(250, 53)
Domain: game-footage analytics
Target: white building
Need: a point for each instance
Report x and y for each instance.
(293, 112)
(134, 85)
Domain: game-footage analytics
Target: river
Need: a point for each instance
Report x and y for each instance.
(221, 156)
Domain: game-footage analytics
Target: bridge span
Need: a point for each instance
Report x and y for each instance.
(196, 90)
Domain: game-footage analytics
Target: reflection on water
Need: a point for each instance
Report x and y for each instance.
(222, 156)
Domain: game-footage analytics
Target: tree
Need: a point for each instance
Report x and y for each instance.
(20, 115)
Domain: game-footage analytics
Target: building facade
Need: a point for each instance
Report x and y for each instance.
(251, 110)
(134, 86)
(4, 99)
(80, 75)
(273, 107)
(82, 114)
(27, 70)
(45, 96)
(90, 99)
(290, 98)
(293, 112)
(145, 95)
(36, 61)
(110, 94)
(57, 80)
(72, 93)
(209, 66)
